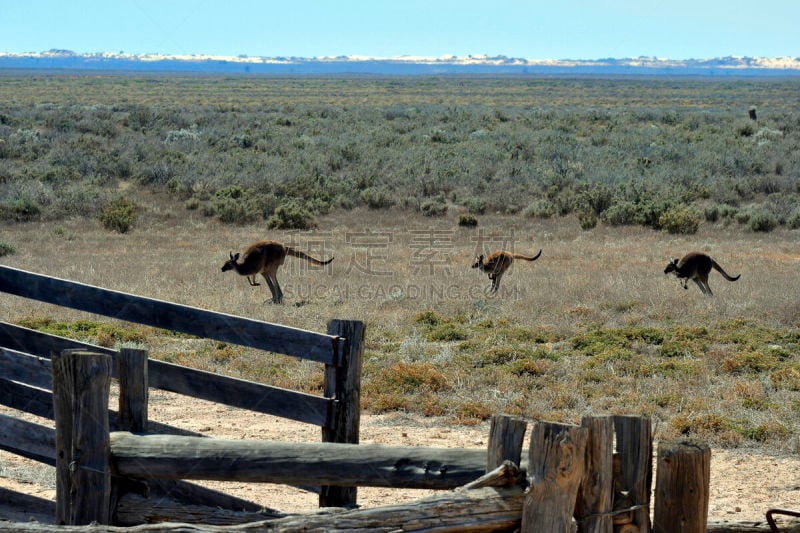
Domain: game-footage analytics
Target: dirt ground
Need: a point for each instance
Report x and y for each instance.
(744, 484)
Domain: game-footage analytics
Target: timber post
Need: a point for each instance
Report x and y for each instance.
(555, 469)
(133, 390)
(134, 394)
(506, 435)
(635, 454)
(596, 495)
(81, 384)
(683, 478)
(343, 383)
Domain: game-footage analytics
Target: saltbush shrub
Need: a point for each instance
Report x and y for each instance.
(20, 210)
(377, 197)
(680, 220)
(467, 221)
(711, 213)
(793, 222)
(291, 214)
(763, 221)
(475, 206)
(119, 215)
(541, 208)
(587, 220)
(650, 211)
(236, 205)
(621, 213)
(6, 248)
(434, 208)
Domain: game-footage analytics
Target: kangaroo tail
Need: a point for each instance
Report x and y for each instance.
(724, 274)
(527, 257)
(302, 255)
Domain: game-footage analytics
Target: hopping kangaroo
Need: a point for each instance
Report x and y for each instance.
(264, 257)
(497, 263)
(695, 266)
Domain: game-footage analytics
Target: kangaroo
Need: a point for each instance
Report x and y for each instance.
(264, 257)
(695, 266)
(497, 264)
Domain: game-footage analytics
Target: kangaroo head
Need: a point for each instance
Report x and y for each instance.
(672, 266)
(229, 264)
(478, 262)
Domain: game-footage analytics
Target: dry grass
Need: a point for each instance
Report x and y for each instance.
(514, 352)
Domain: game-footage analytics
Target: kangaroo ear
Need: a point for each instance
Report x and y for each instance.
(232, 258)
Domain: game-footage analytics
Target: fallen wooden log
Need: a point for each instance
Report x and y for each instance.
(473, 511)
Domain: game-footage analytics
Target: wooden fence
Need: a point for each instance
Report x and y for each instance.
(26, 381)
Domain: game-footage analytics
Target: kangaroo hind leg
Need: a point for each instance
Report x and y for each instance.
(278, 289)
(271, 288)
(702, 286)
(496, 282)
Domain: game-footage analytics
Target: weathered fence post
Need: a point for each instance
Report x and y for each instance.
(343, 383)
(134, 392)
(683, 478)
(555, 468)
(596, 495)
(506, 435)
(81, 383)
(635, 452)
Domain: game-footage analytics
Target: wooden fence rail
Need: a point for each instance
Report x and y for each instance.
(171, 316)
(293, 463)
(35, 369)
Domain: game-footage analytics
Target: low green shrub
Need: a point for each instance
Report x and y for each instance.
(745, 130)
(377, 197)
(428, 318)
(620, 214)
(680, 220)
(447, 332)
(6, 248)
(291, 214)
(119, 215)
(434, 208)
(475, 206)
(763, 221)
(587, 220)
(541, 208)
(793, 222)
(711, 213)
(467, 221)
(235, 205)
(20, 210)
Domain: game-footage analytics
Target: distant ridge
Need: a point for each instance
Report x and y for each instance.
(403, 65)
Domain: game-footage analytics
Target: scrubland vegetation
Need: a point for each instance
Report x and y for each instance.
(145, 185)
(658, 153)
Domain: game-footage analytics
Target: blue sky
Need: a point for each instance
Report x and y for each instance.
(532, 29)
